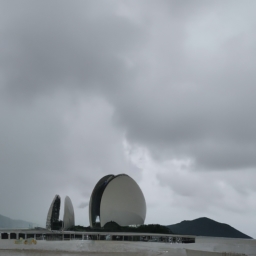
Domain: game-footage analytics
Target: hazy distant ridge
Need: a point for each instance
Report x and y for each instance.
(206, 227)
(6, 222)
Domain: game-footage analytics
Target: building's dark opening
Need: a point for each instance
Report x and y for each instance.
(4, 235)
(13, 236)
(187, 240)
(66, 236)
(96, 199)
(21, 235)
(78, 237)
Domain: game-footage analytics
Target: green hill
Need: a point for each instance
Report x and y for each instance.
(206, 227)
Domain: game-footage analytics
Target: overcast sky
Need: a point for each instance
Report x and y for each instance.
(164, 91)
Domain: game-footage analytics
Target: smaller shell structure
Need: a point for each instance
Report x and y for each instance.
(69, 216)
(53, 213)
(118, 199)
(52, 220)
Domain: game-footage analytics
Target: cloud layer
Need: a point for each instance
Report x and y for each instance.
(163, 91)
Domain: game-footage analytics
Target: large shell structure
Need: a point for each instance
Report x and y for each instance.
(118, 199)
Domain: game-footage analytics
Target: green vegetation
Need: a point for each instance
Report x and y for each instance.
(153, 228)
(114, 227)
(206, 227)
(80, 228)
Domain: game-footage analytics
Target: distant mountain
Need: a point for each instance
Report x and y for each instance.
(6, 222)
(206, 227)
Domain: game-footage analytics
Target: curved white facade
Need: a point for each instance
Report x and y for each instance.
(69, 216)
(119, 199)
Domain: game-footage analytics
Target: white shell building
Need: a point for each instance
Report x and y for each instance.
(54, 212)
(52, 220)
(69, 216)
(118, 199)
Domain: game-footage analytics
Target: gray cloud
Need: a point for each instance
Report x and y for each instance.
(83, 205)
(79, 80)
(47, 46)
(198, 100)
